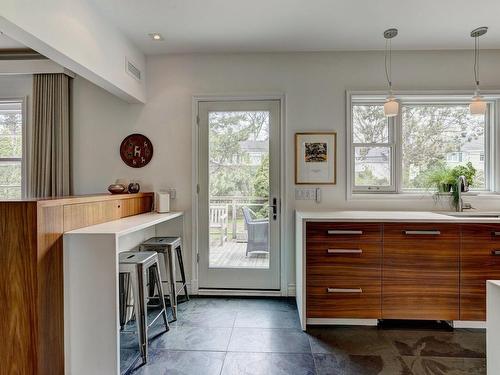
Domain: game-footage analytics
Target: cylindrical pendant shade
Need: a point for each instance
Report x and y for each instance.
(477, 106)
(391, 107)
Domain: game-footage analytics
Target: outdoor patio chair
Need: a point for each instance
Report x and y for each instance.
(218, 220)
(258, 232)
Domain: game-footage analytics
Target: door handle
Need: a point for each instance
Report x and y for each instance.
(344, 290)
(274, 208)
(422, 232)
(344, 251)
(340, 232)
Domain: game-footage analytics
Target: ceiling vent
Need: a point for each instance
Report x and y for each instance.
(133, 70)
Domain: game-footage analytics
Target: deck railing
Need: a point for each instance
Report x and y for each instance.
(234, 205)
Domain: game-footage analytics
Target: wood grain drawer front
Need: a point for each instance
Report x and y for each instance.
(327, 232)
(85, 214)
(421, 231)
(479, 261)
(349, 255)
(135, 206)
(475, 232)
(339, 297)
(421, 277)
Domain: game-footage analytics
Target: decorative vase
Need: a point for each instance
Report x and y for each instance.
(116, 188)
(134, 187)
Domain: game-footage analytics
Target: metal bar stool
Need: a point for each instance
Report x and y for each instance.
(134, 268)
(170, 248)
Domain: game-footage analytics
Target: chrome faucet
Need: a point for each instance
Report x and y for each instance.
(460, 204)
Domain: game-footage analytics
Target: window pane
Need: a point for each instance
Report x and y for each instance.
(10, 130)
(435, 135)
(372, 166)
(369, 124)
(10, 180)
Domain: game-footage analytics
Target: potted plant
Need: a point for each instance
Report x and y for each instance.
(468, 171)
(440, 179)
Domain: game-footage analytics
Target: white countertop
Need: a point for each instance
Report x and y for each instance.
(394, 216)
(127, 225)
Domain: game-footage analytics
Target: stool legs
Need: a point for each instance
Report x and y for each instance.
(140, 302)
(173, 289)
(157, 280)
(124, 280)
(183, 274)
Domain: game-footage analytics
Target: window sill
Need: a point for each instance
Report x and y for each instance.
(418, 195)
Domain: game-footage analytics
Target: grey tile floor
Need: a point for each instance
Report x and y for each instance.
(246, 336)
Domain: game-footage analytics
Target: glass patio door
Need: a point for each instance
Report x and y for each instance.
(238, 198)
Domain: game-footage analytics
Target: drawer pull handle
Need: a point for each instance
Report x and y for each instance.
(495, 234)
(495, 252)
(343, 290)
(344, 251)
(336, 231)
(422, 232)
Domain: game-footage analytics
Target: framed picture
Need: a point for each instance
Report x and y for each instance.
(315, 158)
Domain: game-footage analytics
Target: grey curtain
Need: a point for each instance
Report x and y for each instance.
(50, 152)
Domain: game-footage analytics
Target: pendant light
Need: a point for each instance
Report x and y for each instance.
(478, 105)
(391, 106)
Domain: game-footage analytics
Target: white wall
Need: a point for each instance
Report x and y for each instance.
(87, 43)
(314, 84)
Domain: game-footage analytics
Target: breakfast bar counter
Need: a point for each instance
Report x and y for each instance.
(91, 295)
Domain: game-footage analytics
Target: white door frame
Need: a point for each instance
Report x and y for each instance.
(284, 255)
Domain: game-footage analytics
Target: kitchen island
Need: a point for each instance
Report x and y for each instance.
(358, 267)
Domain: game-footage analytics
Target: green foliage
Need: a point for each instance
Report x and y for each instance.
(439, 178)
(366, 177)
(261, 179)
(10, 147)
(231, 170)
(467, 170)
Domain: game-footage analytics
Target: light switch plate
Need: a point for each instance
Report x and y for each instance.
(306, 194)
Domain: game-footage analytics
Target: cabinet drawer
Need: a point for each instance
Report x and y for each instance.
(330, 232)
(411, 232)
(349, 255)
(479, 261)
(339, 297)
(474, 232)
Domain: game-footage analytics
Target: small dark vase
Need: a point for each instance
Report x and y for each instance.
(116, 188)
(134, 187)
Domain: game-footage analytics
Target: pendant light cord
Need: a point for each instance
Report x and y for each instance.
(388, 71)
(476, 61)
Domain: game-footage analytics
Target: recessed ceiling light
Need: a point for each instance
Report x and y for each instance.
(156, 36)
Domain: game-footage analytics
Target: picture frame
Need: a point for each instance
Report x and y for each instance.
(316, 158)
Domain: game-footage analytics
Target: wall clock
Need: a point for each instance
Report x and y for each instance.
(136, 150)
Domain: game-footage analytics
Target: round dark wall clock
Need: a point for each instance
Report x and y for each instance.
(136, 150)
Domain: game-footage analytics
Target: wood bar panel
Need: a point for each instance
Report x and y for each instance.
(31, 274)
(18, 289)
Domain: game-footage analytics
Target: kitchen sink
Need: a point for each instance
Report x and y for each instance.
(474, 214)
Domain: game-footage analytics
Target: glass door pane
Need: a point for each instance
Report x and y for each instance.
(238, 147)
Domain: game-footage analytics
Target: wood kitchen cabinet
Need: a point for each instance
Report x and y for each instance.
(31, 273)
(479, 261)
(421, 271)
(396, 270)
(344, 270)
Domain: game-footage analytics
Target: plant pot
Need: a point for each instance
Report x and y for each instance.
(444, 188)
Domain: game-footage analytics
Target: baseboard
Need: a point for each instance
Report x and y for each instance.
(469, 324)
(345, 322)
(239, 292)
(291, 290)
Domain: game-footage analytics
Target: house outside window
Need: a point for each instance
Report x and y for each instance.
(393, 155)
(11, 149)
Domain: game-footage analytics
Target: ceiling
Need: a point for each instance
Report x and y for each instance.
(301, 25)
(7, 43)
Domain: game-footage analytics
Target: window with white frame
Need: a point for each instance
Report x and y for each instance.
(11, 149)
(394, 154)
